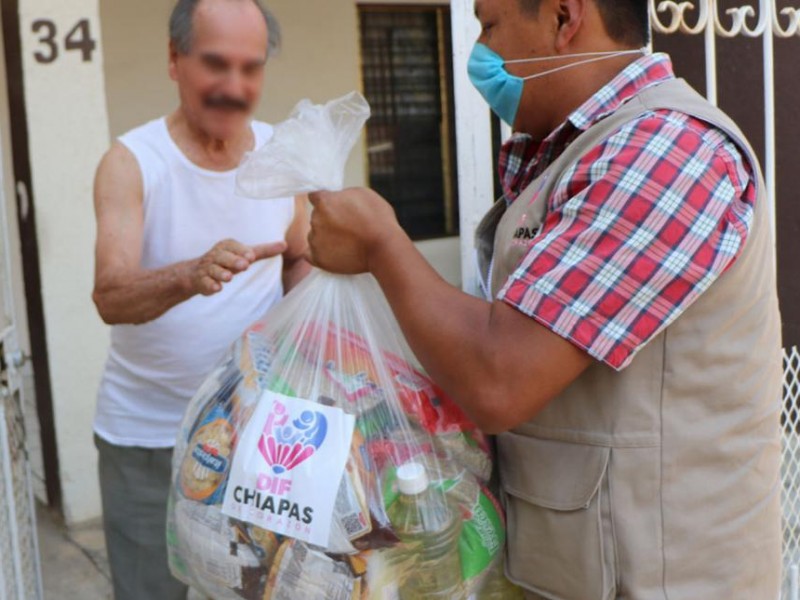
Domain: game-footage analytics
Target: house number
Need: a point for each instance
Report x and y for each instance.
(78, 39)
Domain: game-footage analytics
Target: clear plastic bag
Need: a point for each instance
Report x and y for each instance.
(319, 461)
(307, 151)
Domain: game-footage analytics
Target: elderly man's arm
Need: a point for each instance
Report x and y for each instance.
(124, 292)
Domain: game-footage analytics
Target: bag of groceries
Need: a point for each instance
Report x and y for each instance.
(318, 461)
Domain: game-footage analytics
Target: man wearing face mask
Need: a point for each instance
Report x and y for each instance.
(183, 266)
(629, 356)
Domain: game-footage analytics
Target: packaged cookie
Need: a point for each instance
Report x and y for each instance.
(207, 460)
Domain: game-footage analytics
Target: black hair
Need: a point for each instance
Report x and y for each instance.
(626, 21)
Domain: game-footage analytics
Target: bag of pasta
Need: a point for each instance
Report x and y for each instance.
(318, 460)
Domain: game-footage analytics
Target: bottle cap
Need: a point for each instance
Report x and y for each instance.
(412, 478)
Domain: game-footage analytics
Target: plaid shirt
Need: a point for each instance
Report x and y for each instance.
(637, 229)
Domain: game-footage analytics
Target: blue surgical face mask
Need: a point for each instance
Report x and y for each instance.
(503, 91)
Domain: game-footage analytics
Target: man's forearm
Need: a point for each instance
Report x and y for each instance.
(501, 365)
(446, 328)
(142, 296)
(293, 272)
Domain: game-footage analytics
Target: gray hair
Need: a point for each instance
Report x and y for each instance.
(180, 26)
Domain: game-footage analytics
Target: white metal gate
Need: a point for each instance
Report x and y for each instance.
(20, 577)
(790, 473)
(767, 22)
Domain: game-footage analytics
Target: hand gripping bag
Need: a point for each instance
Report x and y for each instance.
(318, 460)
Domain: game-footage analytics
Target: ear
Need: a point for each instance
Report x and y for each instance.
(571, 15)
(173, 61)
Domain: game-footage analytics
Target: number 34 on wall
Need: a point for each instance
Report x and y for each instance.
(79, 38)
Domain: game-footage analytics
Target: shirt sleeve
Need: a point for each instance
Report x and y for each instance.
(636, 230)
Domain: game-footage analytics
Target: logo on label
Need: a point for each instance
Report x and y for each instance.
(285, 444)
(209, 457)
(525, 233)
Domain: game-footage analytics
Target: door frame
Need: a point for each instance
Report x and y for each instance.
(26, 221)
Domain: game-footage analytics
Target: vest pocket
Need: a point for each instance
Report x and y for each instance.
(560, 538)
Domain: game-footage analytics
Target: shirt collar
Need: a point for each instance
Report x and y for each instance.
(522, 159)
(642, 73)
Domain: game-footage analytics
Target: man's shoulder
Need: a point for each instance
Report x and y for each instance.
(146, 131)
(143, 150)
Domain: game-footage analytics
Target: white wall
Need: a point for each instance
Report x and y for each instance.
(68, 132)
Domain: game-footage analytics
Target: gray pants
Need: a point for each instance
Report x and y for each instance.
(134, 485)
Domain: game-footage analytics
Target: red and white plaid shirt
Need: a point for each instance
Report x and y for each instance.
(637, 229)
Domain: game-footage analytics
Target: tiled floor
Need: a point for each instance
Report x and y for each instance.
(74, 565)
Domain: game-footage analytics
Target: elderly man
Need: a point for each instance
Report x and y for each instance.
(629, 356)
(183, 265)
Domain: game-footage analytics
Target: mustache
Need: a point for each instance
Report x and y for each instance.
(227, 103)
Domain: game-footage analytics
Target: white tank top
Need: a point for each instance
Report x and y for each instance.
(154, 369)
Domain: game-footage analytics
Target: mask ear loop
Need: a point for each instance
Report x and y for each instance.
(609, 54)
(605, 56)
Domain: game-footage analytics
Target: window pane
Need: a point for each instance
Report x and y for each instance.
(408, 83)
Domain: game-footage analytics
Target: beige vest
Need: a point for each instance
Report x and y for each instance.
(660, 481)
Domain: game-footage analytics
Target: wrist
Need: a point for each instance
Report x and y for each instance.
(384, 251)
(184, 278)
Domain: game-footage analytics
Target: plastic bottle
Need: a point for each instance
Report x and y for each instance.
(497, 587)
(428, 530)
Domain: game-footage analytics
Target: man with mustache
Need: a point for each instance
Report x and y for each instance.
(183, 265)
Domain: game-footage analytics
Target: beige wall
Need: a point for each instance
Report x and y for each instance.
(135, 62)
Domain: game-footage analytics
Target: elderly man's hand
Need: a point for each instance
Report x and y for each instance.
(349, 229)
(224, 261)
